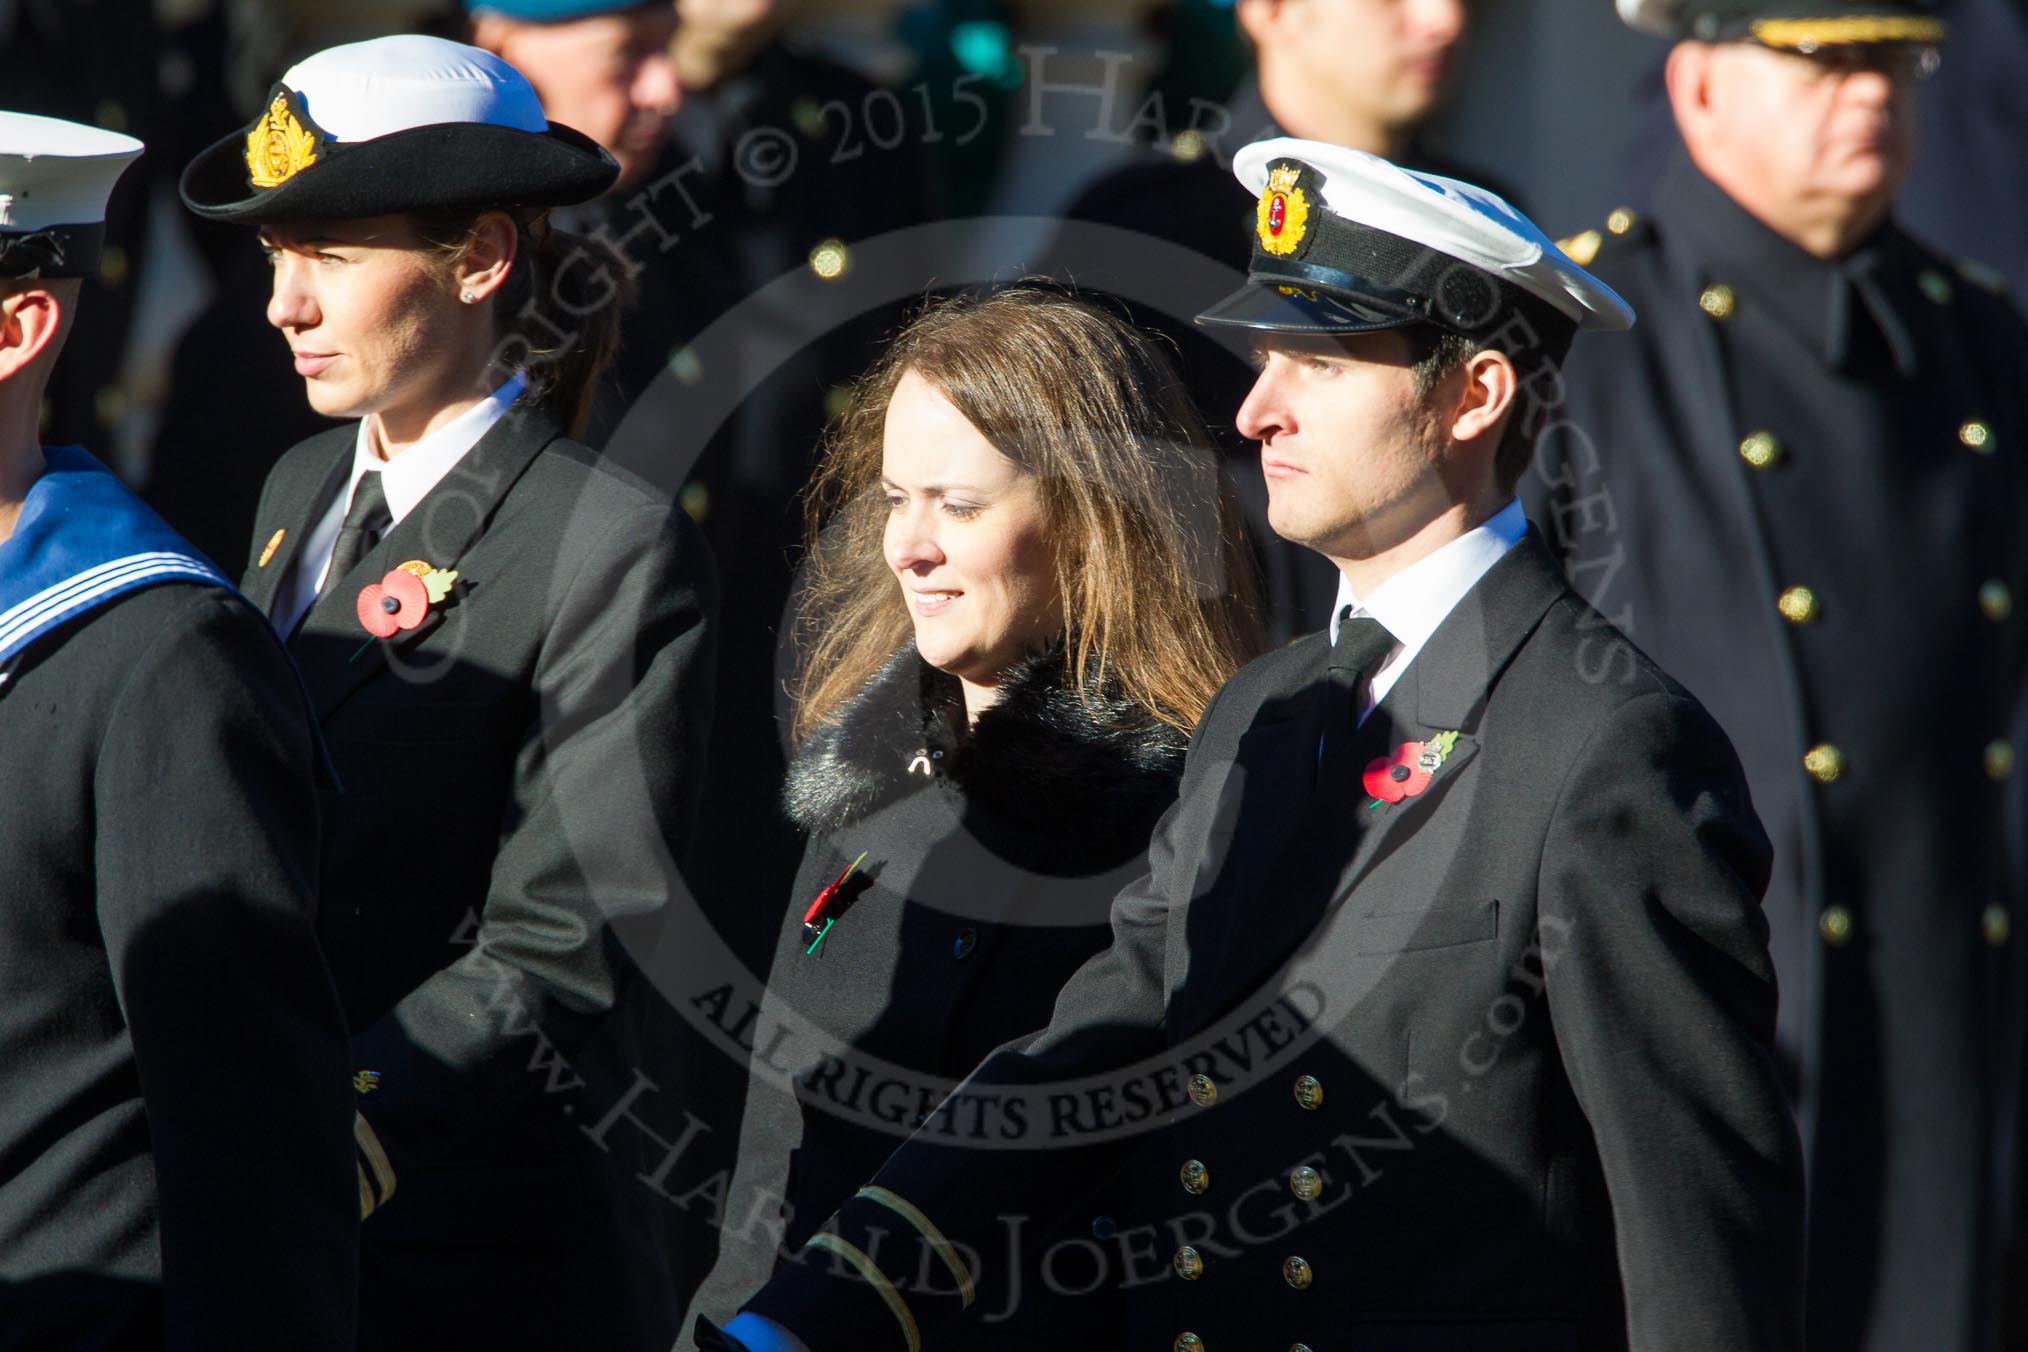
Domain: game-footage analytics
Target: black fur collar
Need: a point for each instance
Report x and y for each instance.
(1085, 791)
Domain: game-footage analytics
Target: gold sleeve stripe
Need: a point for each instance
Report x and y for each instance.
(375, 1159)
(1811, 33)
(906, 1209)
(877, 1280)
(366, 1202)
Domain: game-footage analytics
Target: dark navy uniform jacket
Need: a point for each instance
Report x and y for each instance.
(1800, 487)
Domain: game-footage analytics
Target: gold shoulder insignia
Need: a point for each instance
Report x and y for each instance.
(283, 143)
(1581, 249)
(1978, 274)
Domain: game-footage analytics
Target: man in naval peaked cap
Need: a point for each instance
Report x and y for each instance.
(1800, 486)
(1442, 1017)
(176, 1153)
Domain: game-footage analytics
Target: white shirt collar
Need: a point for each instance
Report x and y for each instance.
(1416, 600)
(408, 478)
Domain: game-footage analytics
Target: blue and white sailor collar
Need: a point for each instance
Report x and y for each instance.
(82, 540)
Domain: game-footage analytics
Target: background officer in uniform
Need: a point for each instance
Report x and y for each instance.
(505, 640)
(176, 1148)
(1448, 982)
(1800, 487)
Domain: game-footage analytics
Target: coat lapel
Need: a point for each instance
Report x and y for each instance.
(300, 502)
(335, 653)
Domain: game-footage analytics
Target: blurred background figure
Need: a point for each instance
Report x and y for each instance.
(1366, 74)
(1800, 489)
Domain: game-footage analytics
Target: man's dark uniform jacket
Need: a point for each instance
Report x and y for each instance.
(516, 778)
(176, 1155)
(1489, 1067)
(1801, 487)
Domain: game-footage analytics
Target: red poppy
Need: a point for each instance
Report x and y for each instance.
(1401, 775)
(396, 602)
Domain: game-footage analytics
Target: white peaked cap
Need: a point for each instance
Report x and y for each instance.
(1461, 220)
(57, 173)
(365, 90)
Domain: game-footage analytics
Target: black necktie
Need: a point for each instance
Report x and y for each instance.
(365, 521)
(1362, 646)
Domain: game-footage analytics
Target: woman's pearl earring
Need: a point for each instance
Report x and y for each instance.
(467, 297)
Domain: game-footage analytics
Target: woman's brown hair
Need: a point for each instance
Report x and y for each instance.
(559, 310)
(1157, 585)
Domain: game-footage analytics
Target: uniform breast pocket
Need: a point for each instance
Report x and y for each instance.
(1442, 924)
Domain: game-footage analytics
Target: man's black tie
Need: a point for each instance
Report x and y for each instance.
(1363, 645)
(365, 521)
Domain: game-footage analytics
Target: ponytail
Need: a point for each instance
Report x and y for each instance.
(558, 312)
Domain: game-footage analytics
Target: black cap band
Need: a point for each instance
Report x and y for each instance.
(52, 252)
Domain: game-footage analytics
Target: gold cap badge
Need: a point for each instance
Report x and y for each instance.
(1283, 216)
(283, 143)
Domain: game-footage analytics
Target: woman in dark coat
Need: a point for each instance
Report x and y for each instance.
(1024, 586)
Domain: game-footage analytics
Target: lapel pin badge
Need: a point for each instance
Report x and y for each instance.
(274, 543)
(1407, 771)
(366, 1081)
(822, 912)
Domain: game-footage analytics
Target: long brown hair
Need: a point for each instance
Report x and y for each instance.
(558, 313)
(1157, 585)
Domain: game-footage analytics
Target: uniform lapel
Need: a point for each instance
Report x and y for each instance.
(299, 503)
(334, 651)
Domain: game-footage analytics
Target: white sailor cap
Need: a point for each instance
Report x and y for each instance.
(1346, 242)
(55, 177)
(404, 123)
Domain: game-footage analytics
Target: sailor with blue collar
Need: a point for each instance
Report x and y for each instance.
(172, 1057)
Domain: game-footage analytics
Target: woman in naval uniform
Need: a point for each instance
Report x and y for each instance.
(505, 642)
(1024, 584)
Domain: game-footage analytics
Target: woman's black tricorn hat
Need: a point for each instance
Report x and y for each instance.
(396, 124)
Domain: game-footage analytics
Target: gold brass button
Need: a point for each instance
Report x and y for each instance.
(1798, 605)
(1761, 450)
(1826, 763)
(1996, 598)
(1835, 925)
(1189, 1263)
(1717, 301)
(1999, 759)
(1934, 285)
(1977, 436)
(1188, 1342)
(1309, 1094)
(696, 500)
(1620, 221)
(1996, 925)
(830, 259)
(685, 366)
(1196, 1178)
(1187, 146)
(1306, 1182)
(1203, 1092)
(1296, 1272)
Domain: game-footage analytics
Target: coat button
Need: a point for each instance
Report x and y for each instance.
(1835, 925)
(1306, 1182)
(1187, 1342)
(1996, 925)
(1718, 301)
(1798, 605)
(1999, 759)
(1196, 1178)
(1296, 1272)
(1104, 1228)
(1309, 1094)
(1202, 1091)
(966, 942)
(1189, 1263)
(1826, 763)
(1620, 221)
(1996, 599)
(830, 259)
(1761, 450)
(1934, 285)
(1977, 436)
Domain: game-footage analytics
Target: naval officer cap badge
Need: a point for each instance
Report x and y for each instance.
(55, 177)
(1346, 242)
(397, 124)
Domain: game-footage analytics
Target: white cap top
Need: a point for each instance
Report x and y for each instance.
(1459, 219)
(365, 90)
(54, 172)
